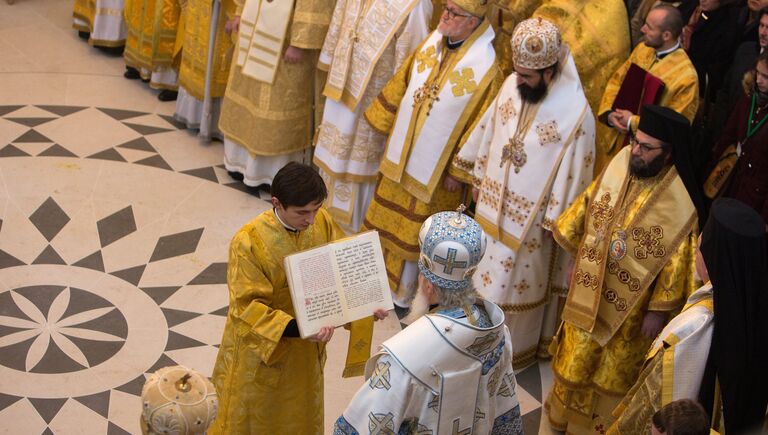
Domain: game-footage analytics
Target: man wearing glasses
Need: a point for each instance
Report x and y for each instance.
(632, 234)
(426, 109)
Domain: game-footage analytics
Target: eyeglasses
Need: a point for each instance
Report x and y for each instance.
(453, 14)
(647, 148)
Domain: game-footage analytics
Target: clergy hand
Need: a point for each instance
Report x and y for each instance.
(653, 323)
(323, 336)
(293, 54)
(380, 314)
(451, 184)
(232, 25)
(622, 118)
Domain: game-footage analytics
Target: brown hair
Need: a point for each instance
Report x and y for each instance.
(682, 417)
(297, 184)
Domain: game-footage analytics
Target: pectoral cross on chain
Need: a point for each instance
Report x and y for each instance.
(427, 93)
(514, 150)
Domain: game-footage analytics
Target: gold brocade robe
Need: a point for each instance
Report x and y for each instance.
(152, 32)
(267, 383)
(681, 94)
(194, 56)
(276, 119)
(590, 379)
(504, 15)
(585, 26)
(394, 212)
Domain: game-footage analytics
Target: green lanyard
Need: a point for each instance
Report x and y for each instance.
(750, 130)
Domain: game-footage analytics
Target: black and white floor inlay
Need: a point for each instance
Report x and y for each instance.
(114, 232)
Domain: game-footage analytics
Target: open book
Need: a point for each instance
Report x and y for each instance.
(337, 283)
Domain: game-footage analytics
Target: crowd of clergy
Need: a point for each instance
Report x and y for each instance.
(613, 157)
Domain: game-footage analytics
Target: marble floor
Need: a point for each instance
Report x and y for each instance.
(114, 227)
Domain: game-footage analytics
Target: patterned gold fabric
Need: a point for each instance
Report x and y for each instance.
(397, 216)
(681, 94)
(504, 16)
(596, 33)
(623, 251)
(277, 119)
(395, 212)
(152, 31)
(590, 379)
(194, 58)
(261, 377)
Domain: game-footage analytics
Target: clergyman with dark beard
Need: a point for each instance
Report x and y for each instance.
(632, 234)
(536, 142)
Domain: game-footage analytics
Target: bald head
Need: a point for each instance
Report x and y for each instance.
(671, 21)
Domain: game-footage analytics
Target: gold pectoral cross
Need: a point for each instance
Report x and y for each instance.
(427, 93)
(514, 151)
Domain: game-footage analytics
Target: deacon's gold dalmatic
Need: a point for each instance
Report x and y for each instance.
(596, 33)
(395, 212)
(194, 57)
(153, 30)
(280, 115)
(268, 384)
(681, 94)
(635, 253)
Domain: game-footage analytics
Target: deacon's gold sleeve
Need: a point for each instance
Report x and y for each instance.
(311, 19)
(251, 298)
(569, 226)
(382, 112)
(464, 174)
(676, 281)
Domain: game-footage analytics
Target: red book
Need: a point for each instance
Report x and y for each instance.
(638, 89)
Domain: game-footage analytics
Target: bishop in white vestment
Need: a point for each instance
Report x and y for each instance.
(529, 157)
(450, 371)
(367, 42)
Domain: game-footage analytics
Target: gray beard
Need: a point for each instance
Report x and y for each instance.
(419, 307)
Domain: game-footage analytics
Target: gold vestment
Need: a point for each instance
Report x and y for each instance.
(590, 379)
(396, 213)
(584, 26)
(194, 57)
(681, 94)
(267, 383)
(274, 119)
(153, 27)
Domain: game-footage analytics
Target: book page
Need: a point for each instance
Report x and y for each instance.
(361, 270)
(318, 303)
(338, 283)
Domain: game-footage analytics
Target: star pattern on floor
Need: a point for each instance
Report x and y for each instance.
(106, 279)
